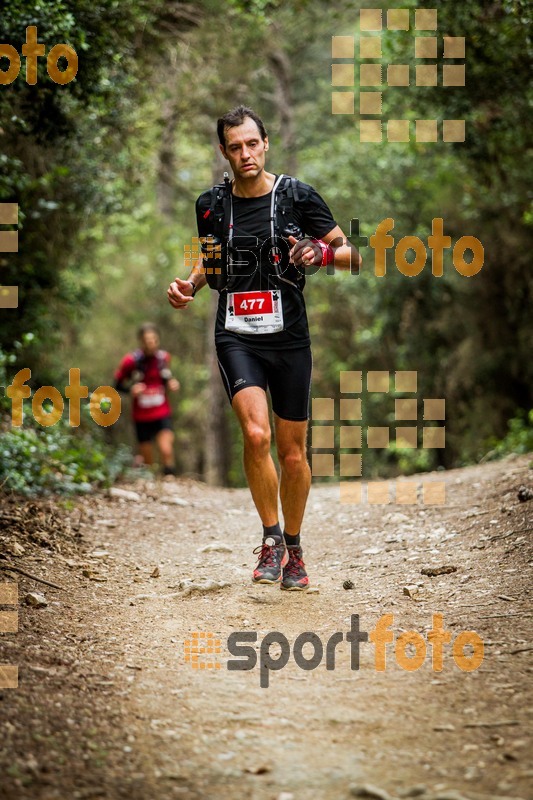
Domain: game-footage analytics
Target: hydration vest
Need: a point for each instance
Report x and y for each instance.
(286, 191)
(140, 358)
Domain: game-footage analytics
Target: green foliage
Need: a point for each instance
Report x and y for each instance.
(71, 154)
(519, 438)
(57, 459)
(97, 253)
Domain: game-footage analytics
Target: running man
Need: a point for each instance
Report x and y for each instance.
(146, 375)
(261, 332)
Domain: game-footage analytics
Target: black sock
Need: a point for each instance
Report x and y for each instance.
(291, 540)
(273, 532)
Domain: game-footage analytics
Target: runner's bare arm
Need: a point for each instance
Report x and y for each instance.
(346, 255)
(342, 253)
(180, 291)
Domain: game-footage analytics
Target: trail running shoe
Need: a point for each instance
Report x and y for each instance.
(294, 574)
(272, 559)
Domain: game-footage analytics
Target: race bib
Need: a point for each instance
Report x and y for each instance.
(254, 312)
(151, 399)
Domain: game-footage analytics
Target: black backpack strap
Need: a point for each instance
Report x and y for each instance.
(140, 363)
(283, 206)
(287, 194)
(292, 189)
(219, 214)
(164, 370)
(138, 357)
(161, 363)
(225, 201)
(219, 208)
(218, 211)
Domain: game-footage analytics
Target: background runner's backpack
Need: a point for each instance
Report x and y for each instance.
(288, 191)
(140, 359)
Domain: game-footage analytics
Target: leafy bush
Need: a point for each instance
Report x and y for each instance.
(519, 438)
(57, 459)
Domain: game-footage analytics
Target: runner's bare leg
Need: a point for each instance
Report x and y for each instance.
(295, 472)
(251, 408)
(146, 451)
(165, 443)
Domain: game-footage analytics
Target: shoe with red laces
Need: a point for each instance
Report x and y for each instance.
(272, 559)
(294, 574)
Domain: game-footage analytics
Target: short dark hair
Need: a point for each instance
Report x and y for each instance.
(236, 117)
(147, 327)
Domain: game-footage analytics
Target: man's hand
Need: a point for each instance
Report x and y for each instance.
(137, 389)
(173, 385)
(305, 252)
(179, 293)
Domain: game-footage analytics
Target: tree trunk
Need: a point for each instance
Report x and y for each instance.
(166, 167)
(281, 69)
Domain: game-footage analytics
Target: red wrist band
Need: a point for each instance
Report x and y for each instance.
(328, 254)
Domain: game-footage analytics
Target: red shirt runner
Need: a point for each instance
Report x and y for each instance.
(153, 403)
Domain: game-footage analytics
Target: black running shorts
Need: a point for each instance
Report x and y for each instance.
(146, 431)
(286, 373)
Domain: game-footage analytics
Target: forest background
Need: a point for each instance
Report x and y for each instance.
(106, 169)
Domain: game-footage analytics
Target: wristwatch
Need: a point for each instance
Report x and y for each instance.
(194, 287)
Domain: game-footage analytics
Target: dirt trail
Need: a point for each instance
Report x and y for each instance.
(108, 707)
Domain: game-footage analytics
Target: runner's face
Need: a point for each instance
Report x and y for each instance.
(245, 150)
(150, 342)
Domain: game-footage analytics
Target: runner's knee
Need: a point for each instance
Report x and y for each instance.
(165, 448)
(165, 439)
(292, 461)
(257, 439)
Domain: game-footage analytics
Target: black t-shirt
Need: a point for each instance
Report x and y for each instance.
(253, 269)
